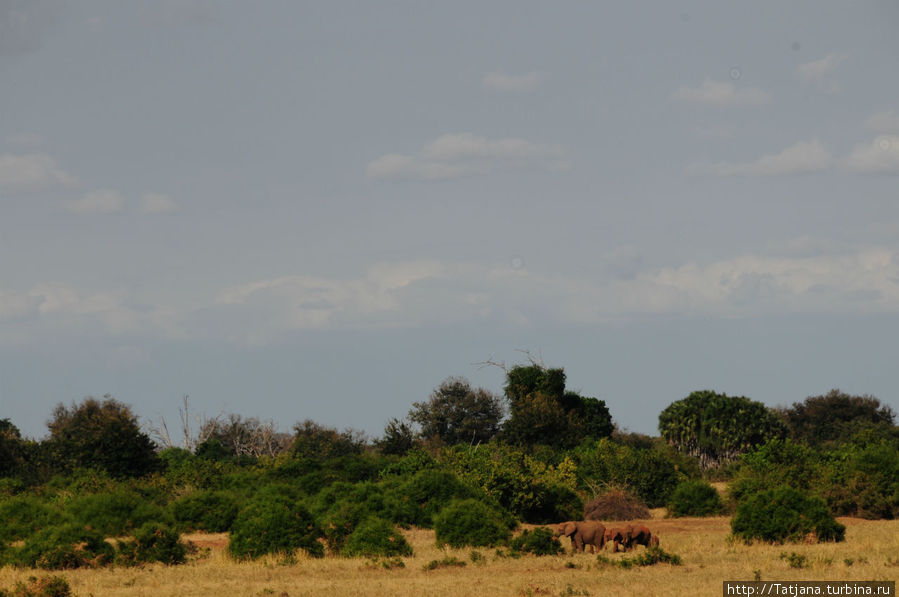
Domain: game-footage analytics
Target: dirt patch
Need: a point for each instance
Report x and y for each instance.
(215, 541)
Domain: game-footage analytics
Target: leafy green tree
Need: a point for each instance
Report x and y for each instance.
(456, 413)
(101, 434)
(836, 416)
(717, 428)
(12, 449)
(544, 413)
(317, 442)
(398, 438)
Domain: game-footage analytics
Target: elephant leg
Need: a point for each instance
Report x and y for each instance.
(578, 543)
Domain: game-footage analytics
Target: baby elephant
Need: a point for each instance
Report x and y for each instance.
(631, 536)
(640, 535)
(616, 536)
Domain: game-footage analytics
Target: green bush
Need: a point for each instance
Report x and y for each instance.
(863, 481)
(47, 586)
(427, 492)
(274, 524)
(694, 498)
(785, 514)
(531, 487)
(649, 473)
(376, 537)
(212, 511)
(652, 556)
(22, 516)
(539, 542)
(64, 547)
(117, 513)
(470, 522)
(153, 542)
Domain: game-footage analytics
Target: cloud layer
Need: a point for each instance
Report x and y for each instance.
(31, 173)
(458, 155)
(800, 158)
(721, 93)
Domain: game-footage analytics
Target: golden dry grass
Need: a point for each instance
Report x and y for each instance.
(708, 559)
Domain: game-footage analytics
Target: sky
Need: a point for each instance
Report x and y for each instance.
(320, 210)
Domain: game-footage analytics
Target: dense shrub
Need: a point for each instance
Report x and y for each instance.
(64, 547)
(116, 513)
(183, 469)
(539, 541)
(153, 542)
(22, 516)
(616, 504)
(863, 481)
(47, 586)
(342, 506)
(859, 478)
(785, 514)
(649, 473)
(530, 488)
(376, 537)
(274, 524)
(103, 434)
(470, 522)
(694, 498)
(211, 511)
(427, 492)
(652, 556)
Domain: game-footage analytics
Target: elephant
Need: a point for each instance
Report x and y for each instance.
(617, 536)
(582, 533)
(640, 535)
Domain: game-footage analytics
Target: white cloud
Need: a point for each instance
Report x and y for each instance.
(101, 201)
(820, 72)
(15, 305)
(437, 293)
(884, 122)
(31, 173)
(880, 156)
(514, 83)
(800, 158)
(157, 203)
(464, 154)
(721, 93)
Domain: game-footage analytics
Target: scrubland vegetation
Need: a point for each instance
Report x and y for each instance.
(452, 498)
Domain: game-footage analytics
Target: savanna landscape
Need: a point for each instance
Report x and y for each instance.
(466, 494)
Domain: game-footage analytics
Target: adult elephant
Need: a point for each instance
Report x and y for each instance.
(582, 533)
(640, 535)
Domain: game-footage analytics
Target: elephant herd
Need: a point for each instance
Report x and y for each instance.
(590, 532)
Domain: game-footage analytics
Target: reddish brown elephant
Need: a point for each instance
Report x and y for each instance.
(617, 536)
(639, 535)
(582, 533)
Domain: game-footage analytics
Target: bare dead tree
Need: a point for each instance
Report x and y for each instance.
(535, 360)
(159, 431)
(247, 436)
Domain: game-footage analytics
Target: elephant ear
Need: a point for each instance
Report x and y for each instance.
(569, 528)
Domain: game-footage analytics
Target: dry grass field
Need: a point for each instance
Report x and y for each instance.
(870, 552)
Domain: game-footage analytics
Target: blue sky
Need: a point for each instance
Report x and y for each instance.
(298, 210)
